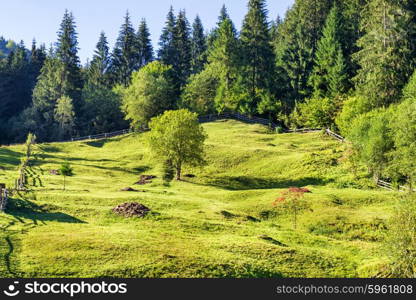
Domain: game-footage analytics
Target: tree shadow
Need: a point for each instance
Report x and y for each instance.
(96, 144)
(20, 209)
(141, 169)
(8, 255)
(8, 156)
(88, 159)
(49, 148)
(236, 183)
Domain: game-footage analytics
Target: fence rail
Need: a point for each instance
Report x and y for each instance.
(205, 119)
(334, 135)
(4, 197)
(101, 136)
(303, 130)
(237, 116)
(389, 186)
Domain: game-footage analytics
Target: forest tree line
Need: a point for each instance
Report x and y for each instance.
(346, 65)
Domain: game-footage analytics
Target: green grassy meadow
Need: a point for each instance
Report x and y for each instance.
(219, 224)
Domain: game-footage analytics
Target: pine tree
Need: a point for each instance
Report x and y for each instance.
(97, 73)
(214, 33)
(258, 56)
(274, 29)
(166, 52)
(15, 82)
(199, 46)
(223, 15)
(37, 59)
(125, 54)
(295, 48)
(144, 45)
(410, 6)
(223, 57)
(352, 14)
(67, 53)
(385, 58)
(65, 116)
(101, 111)
(182, 46)
(329, 77)
(50, 87)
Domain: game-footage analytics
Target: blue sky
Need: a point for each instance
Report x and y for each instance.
(40, 19)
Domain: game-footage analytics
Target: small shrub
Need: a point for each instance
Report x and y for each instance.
(401, 239)
(292, 201)
(65, 170)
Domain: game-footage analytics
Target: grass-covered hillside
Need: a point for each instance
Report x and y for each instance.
(220, 223)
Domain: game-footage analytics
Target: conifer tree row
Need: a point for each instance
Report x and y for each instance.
(302, 69)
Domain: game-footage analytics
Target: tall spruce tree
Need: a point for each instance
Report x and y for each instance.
(410, 5)
(295, 48)
(224, 59)
(15, 82)
(258, 56)
(199, 46)
(183, 48)
(125, 53)
(67, 53)
(214, 32)
(97, 73)
(352, 14)
(167, 52)
(101, 110)
(329, 76)
(50, 87)
(386, 59)
(144, 45)
(223, 15)
(37, 59)
(274, 29)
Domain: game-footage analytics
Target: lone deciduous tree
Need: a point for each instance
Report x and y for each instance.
(149, 94)
(178, 137)
(66, 170)
(292, 201)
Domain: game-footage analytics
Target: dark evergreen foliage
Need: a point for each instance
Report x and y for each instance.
(144, 45)
(199, 46)
(258, 59)
(125, 55)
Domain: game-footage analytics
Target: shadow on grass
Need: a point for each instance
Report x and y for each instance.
(101, 142)
(49, 148)
(8, 156)
(38, 214)
(21, 210)
(236, 183)
(96, 144)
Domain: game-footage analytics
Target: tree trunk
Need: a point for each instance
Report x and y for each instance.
(178, 173)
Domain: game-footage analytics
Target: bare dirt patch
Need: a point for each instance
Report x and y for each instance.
(131, 209)
(145, 179)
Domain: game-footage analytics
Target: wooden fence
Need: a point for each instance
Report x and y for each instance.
(206, 119)
(4, 197)
(389, 186)
(303, 130)
(334, 135)
(100, 136)
(237, 116)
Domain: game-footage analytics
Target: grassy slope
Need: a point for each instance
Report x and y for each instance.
(200, 227)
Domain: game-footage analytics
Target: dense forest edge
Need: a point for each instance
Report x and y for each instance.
(344, 65)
